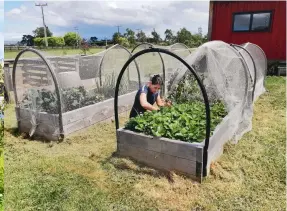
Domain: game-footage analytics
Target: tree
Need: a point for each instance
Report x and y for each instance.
(27, 40)
(39, 41)
(124, 42)
(116, 37)
(156, 37)
(141, 37)
(72, 39)
(130, 35)
(56, 41)
(39, 32)
(184, 36)
(168, 36)
(93, 40)
(85, 46)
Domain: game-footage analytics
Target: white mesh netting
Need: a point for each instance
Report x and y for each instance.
(226, 76)
(87, 80)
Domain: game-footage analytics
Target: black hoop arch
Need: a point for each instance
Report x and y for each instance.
(205, 97)
(58, 93)
(254, 66)
(102, 60)
(162, 62)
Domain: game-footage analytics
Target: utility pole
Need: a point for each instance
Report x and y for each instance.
(45, 32)
(139, 33)
(106, 42)
(118, 28)
(200, 31)
(77, 32)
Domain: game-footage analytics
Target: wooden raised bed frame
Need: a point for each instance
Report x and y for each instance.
(48, 124)
(173, 155)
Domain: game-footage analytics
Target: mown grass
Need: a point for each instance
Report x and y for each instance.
(81, 173)
(53, 52)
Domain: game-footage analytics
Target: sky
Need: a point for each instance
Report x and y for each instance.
(100, 18)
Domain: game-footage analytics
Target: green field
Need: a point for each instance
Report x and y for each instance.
(54, 52)
(81, 172)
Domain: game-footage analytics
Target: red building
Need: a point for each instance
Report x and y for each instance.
(259, 22)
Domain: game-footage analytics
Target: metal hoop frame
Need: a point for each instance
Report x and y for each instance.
(102, 60)
(205, 97)
(57, 89)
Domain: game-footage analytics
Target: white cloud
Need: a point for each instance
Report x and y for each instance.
(145, 14)
(14, 11)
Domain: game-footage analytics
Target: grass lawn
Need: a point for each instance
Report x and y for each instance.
(53, 52)
(81, 173)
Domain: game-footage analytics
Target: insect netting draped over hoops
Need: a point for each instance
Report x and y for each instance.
(171, 64)
(112, 62)
(227, 81)
(78, 78)
(180, 50)
(149, 64)
(260, 61)
(186, 120)
(35, 91)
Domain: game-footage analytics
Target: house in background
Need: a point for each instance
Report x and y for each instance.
(260, 22)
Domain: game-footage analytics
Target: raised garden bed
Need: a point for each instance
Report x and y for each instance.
(173, 138)
(48, 124)
(171, 154)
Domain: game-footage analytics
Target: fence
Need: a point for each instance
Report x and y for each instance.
(19, 48)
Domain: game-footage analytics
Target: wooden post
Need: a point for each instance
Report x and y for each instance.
(7, 81)
(211, 4)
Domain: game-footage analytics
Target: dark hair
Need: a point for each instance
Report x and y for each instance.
(156, 79)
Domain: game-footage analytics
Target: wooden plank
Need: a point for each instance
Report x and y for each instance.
(190, 151)
(7, 78)
(49, 119)
(88, 121)
(138, 140)
(159, 160)
(31, 74)
(35, 67)
(63, 59)
(62, 70)
(61, 65)
(34, 81)
(182, 149)
(210, 20)
(87, 111)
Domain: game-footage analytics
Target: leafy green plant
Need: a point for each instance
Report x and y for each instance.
(109, 86)
(187, 90)
(184, 122)
(46, 100)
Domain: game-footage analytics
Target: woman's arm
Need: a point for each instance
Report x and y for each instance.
(160, 102)
(145, 104)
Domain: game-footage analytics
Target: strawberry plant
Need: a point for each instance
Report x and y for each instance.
(184, 121)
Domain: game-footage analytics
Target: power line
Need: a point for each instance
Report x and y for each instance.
(45, 32)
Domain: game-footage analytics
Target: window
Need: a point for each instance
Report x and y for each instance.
(251, 21)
